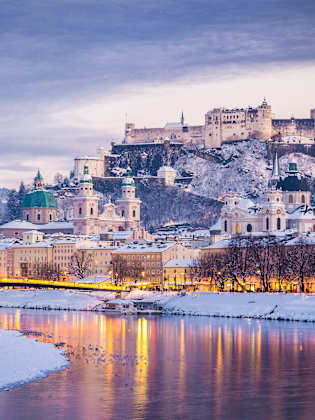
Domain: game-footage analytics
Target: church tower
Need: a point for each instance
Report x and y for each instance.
(129, 205)
(85, 207)
(276, 174)
(274, 214)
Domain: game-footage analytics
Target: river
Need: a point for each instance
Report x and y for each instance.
(167, 367)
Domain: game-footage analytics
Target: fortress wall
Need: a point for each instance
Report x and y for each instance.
(187, 134)
(294, 127)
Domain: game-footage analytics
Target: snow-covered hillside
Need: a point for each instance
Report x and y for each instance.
(242, 167)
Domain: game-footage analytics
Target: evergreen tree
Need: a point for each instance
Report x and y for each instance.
(15, 200)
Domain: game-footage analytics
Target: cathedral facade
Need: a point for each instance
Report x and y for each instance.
(121, 217)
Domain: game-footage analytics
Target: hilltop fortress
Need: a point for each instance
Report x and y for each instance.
(225, 125)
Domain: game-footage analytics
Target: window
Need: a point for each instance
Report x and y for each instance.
(123, 213)
(133, 213)
(91, 210)
(80, 210)
(225, 226)
(290, 198)
(38, 216)
(278, 223)
(303, 199)
(50, 217)
(27, 217)
(249, 228)
(267, 223)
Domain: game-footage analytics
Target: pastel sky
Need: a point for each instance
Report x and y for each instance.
(70, 70)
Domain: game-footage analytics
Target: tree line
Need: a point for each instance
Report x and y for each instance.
(266, 260)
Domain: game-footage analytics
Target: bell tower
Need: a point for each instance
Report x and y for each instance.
(129, 205)
(274, 214)
(85, 206)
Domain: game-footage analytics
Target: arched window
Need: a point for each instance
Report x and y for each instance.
(50, 217)
(278, 223)
(80, 210)
(27, 217)
(91, 210)
(267, 223)
(225, 225)
(133, 213)
(249, 228)
(290, 198)
(38, 216)
(303, 199)
(123, 213)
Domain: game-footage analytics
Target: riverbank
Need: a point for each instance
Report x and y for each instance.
(24, 359)
(292, 307)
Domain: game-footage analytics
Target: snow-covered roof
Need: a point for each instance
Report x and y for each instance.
(56, 225)
(144, 248)
(246, 203)
(217, 225)
(188, 262)
(19, 224)
(34, 232)
(23, 224)
(173, 125)
(302, 213)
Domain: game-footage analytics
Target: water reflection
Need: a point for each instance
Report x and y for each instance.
(166, 367)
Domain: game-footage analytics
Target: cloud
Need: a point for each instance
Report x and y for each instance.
(61, 56)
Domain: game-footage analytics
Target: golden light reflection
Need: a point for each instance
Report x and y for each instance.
(141, 372)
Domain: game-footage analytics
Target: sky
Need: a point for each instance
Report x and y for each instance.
(73, 71)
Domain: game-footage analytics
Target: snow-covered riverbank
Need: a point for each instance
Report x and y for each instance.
(295, 307)
(24, 360)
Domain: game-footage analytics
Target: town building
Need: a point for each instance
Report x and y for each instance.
(144, 262)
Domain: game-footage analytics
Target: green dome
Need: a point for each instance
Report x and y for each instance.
(39, 198)
(128, 182)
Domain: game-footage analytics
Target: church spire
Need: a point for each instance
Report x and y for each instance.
(182, 120)
(276, 174)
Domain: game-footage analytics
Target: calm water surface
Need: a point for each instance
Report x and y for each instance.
(167, 368)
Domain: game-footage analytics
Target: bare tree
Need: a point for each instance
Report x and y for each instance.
(80, 264)
(301, 262)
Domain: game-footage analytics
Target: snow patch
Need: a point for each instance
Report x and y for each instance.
(24, 360)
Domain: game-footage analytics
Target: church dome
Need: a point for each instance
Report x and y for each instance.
(128, 182)
(294, 183)
(39, 198)
(86, 177)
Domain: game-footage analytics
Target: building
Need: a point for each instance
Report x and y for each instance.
(223, 125)
(100, 259)
(95, 164)
(123, 216)
(226, 125)
(39, 206)
(144, 262)
(168, 174)
(285, 205)
(181, 272)
(175, 131)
